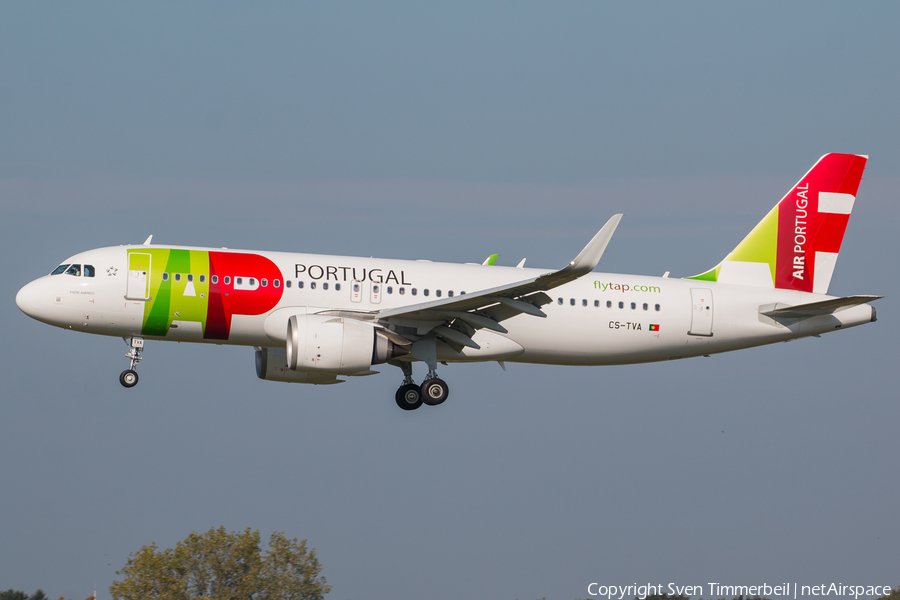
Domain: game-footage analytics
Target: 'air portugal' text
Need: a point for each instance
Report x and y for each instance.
(802, 202)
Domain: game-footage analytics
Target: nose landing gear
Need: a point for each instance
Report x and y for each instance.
(129, 377)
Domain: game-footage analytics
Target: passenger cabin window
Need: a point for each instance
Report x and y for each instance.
(337, 287)
(190, 277)
(450, 293)
(414, 291)
(596, 304)
(609, 304)
(203, 279)
(621, 305)
(325, 286)
(264, 282)
(312, 285)
(584, 302)
(60, 269)
(276, 283)
(238, 280)
(402, 291)
(560, 301)
(165, 276)
(633, 305)
(390, 290)
(252, 282)
(287, 283)
(177, 276)
(215, 279)
(425, 291)
(88, 270)
(300, 285)
(437, 293)
(572, 301)
(657, 307)
(227, 279)
(646, 306)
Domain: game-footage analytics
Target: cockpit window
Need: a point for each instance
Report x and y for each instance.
(88, 270)
(60, 269)
(74, 270)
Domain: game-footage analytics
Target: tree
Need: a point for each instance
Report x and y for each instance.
(222, 565)
(12, 594)
(894, 595)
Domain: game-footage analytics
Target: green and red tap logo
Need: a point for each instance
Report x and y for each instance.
(201, 286)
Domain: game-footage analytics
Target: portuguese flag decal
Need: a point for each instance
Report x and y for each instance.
(654, 327)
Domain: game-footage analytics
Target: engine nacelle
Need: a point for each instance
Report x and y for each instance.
(271, 365)
(337, 345)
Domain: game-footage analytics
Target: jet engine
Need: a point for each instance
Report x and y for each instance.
(271, 365)
(337, 345)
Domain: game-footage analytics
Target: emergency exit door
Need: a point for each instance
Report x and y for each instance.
(702, 312)
(357, 289)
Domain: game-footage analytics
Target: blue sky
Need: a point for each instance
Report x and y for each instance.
(449, 133)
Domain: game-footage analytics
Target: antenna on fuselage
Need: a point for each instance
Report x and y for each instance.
(147, 241)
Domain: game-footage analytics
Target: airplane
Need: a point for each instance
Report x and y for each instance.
(315, 318)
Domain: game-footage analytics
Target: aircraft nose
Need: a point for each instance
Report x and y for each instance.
(27, 299)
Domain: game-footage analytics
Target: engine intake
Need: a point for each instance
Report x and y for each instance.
(337, 345)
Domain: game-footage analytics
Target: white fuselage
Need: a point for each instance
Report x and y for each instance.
(598, 319)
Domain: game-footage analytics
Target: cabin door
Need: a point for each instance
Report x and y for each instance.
(701, 312)
(138, 286)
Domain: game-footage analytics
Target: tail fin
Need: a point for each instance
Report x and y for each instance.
(796, 245)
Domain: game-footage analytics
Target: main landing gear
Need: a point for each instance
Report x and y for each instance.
(410, 396)
(129, 377)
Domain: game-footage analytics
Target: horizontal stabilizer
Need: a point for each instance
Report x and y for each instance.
(825, 307)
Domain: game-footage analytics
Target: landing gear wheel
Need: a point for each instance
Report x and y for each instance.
(409, 397)
(128, 378)
(434, 391)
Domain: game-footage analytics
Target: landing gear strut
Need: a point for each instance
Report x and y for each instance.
(410, 396)
(129, 377)
(434, 389)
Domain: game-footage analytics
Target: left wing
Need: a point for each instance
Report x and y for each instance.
(456, 319)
